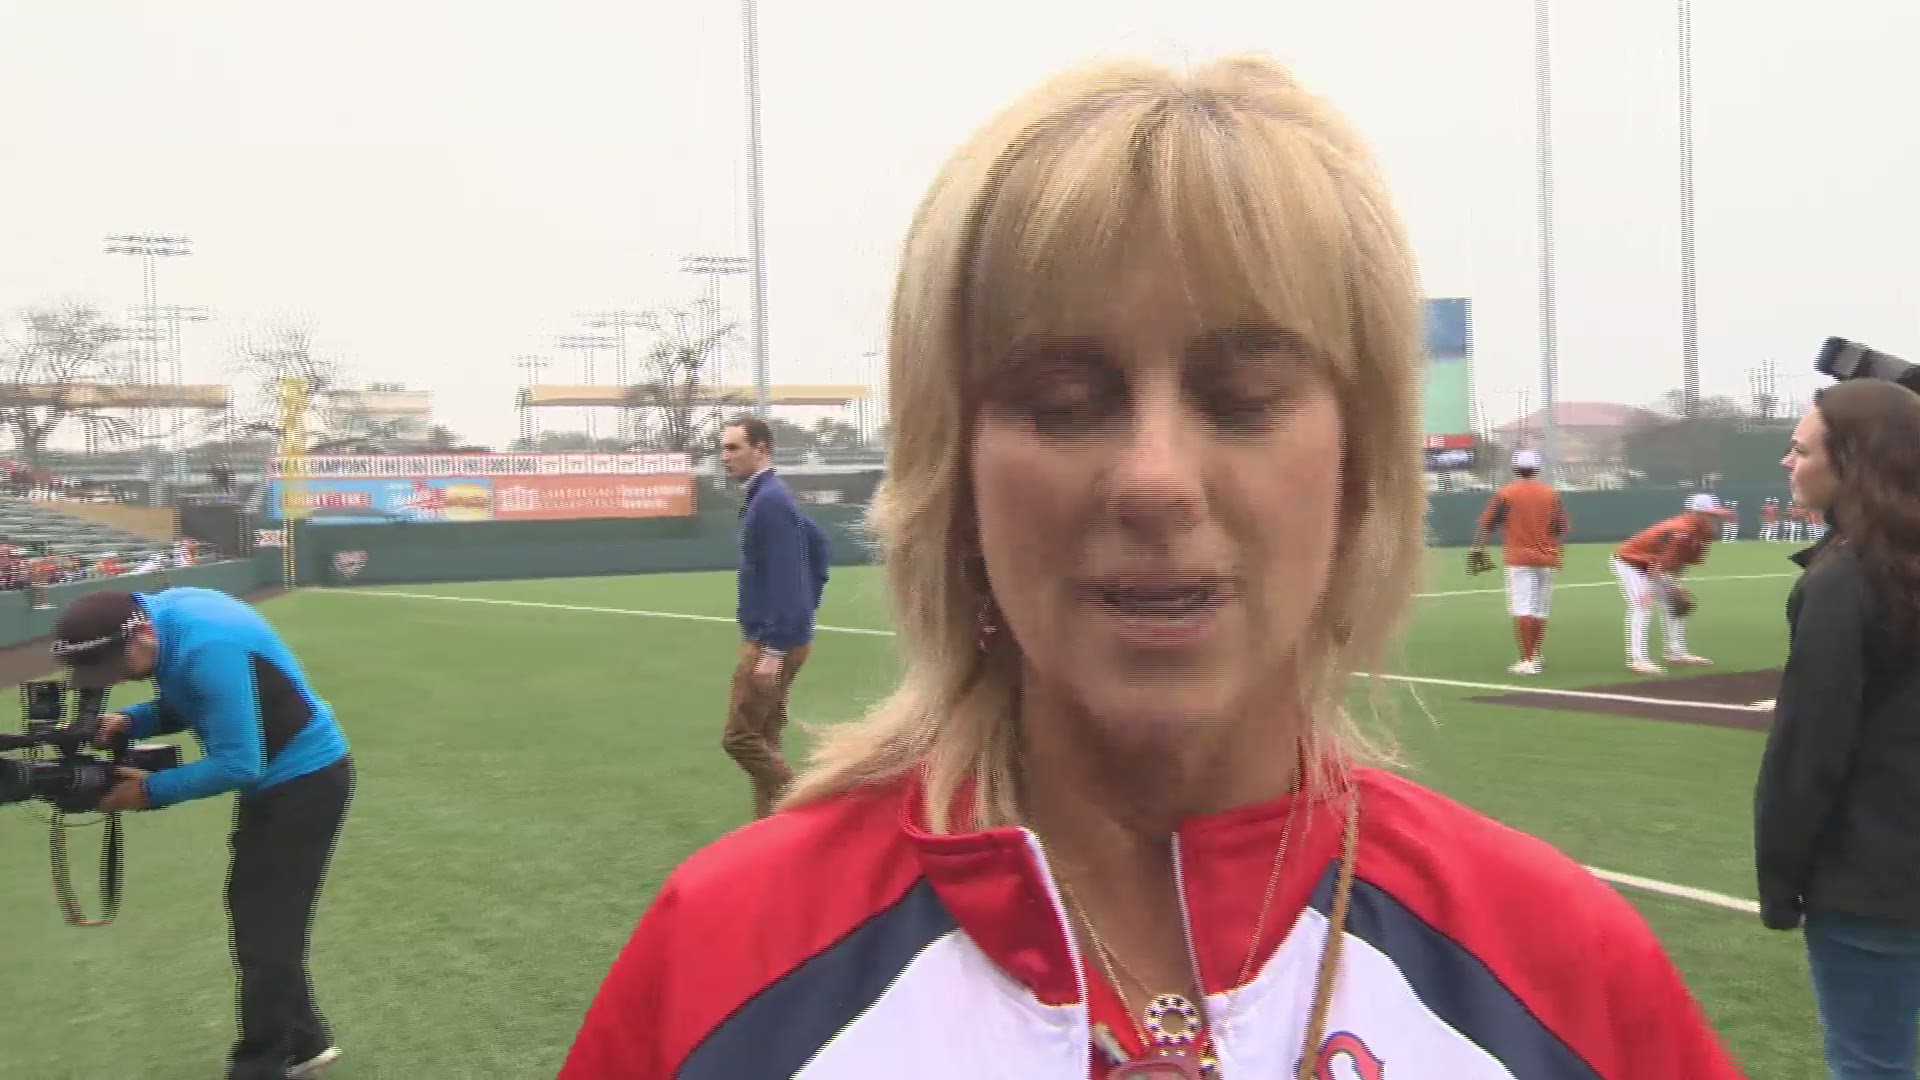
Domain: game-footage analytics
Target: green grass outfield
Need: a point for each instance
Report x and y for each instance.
(532, 764)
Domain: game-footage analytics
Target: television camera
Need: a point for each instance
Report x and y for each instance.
(1841, 360)
(67, 764)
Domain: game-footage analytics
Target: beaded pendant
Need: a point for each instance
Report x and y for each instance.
(1173, 1025)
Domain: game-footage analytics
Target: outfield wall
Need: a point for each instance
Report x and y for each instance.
(414, 552)
(492, 550)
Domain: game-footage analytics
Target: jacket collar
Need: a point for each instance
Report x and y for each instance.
(752, 487)
(1001, 891)
(1804, 557)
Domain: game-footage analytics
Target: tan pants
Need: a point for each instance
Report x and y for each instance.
(755, 721)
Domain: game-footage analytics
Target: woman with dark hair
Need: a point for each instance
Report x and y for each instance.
(1837, 810)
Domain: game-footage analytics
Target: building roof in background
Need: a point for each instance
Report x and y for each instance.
(1604, 415)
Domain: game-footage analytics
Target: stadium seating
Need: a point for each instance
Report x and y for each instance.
(26, 523)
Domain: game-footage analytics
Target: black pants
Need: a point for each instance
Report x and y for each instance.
(283, 838)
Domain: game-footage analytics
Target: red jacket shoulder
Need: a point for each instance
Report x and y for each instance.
(734, 919)
(1574, 951)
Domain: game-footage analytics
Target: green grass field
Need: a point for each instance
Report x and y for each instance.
(531, 767)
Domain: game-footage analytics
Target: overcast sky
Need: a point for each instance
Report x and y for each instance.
(438, 187)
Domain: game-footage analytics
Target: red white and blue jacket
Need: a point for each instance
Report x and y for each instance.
(842, 941)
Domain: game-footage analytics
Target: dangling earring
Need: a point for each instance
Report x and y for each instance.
(989, 627)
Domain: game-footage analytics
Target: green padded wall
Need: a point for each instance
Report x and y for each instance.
(491, 550)
(1595, 516)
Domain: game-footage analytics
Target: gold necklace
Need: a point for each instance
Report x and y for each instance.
(1151, 1023)
(1191, 1036)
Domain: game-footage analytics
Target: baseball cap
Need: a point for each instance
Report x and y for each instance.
(1526, 459)
(1704, 503)
(92, 635)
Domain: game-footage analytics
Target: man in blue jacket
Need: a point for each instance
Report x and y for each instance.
(223, 674)
(783, 574)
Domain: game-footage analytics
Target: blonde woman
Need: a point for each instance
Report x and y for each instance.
(1154, 494)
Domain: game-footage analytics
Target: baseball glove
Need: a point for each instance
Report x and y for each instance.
(1478, 562)
(1680, 602)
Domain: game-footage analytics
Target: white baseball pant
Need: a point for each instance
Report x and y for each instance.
(1529, 591)
(1643, 595)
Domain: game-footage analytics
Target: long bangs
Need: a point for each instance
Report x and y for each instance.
(1250, 204)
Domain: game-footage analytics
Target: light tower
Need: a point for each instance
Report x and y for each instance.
(619, 322)
(533, 366)
(150, 250)
(588, 344)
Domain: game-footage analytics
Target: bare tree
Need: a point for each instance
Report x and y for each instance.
(286, 350)
(58, 363)
(680, 410)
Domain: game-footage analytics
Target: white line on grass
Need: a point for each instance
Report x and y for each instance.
(499, 602)
(1419, 680)
(1596, 585)
(1684, 892)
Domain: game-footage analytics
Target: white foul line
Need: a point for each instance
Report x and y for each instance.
(867, 631)
(1631, 881)
(1684, 892)
(1595, 585)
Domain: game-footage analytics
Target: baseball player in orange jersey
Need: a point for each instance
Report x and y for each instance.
(1648, 565)
(1532, 522)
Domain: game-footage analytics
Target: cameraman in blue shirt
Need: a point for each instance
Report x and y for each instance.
(222, 673)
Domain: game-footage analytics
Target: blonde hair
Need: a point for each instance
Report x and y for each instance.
(1273, 201)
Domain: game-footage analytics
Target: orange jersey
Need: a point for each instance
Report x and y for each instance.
(1531, 521)
(1669, 547)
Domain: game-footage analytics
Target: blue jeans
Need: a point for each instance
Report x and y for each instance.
(1866, 980)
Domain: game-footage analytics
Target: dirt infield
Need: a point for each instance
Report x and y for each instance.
(1730, 698)
(33, 659)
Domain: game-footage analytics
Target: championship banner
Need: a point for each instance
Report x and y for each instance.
(483, 487)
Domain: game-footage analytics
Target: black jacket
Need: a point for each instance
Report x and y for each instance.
(1837, 807)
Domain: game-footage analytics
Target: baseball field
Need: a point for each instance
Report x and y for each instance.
(535, 755)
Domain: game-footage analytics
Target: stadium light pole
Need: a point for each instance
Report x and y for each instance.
(588, 344)
(1549, 329)
(1689, 308)
(150, 249)
(756, 206)
(533, 366)
(713, 267)
(619, 322)
(173, 315)
(871, 410)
